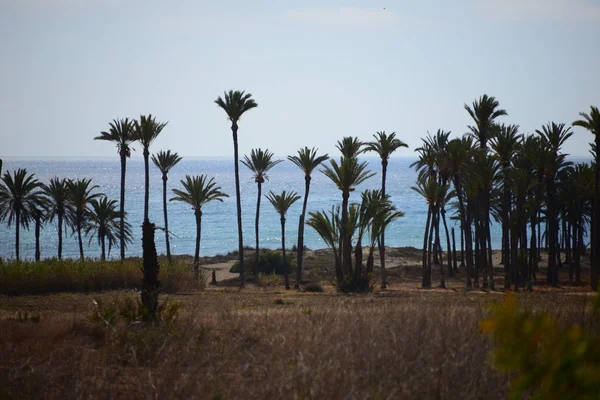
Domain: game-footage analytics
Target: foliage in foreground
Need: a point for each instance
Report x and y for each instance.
(551, 360)
(55, 276)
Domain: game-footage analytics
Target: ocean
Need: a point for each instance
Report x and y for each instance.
(219, 227)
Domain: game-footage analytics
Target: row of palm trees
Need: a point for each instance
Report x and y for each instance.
(496, 174)
(71, 202)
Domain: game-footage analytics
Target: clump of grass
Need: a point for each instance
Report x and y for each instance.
(314, 287)
(54, 276)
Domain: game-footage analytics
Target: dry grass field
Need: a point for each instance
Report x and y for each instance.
(263, 342)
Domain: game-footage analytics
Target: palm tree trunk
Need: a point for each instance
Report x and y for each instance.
(448, 248)
(146, 183)
(384, 164)
(505, 230)
(151, 269)
(551, 235)
(79, 240)
(165, 178)
(17, 231)
(437, 241)
(103, 248)
(238, 199)
(257, 248)
(426, 280)
(285, 266)
(489, 254)
(346, 245)
(38, 225)
(454, 260)
(60, 236)
(300, 251)
(197, 251)
(576, 253)
(122, 206)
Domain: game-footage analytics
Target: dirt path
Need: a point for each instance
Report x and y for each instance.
(222, 270)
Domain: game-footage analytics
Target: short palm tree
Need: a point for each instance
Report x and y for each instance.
(164, 161)
(80, 196)
(121, 133)
(282, 202)
(347, 174)
(259, 162)
(146, 130)
(59, 207)
(307, 160)
(198, 191)
(384, 145)
(103, 222)
(327, 225)
(235, 104)
(20, 196)
(591, 122)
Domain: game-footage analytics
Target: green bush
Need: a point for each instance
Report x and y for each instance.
(549, 360)
(270, 262)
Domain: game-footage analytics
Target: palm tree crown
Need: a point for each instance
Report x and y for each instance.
(282, 202)
(484, 111)
(198, 190)
(165, 160)
(235, 104)
(121, 133)
(590, 121)
(384, 145)
(348, 174)
(307, 160)
(146, 130)
(259, 163)
(20, 195)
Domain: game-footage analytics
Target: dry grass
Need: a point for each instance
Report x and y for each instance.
(262, 345)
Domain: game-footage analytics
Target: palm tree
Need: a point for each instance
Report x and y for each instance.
(103, 222)
(80, 196)
(591, 122)
(235, 104)
(59, 206)
(121, 133)
(20, 196)
(327, 225)
(553, 136)
(198, 190)
(505, 143)
(347, 174)
(164, 161)
(384, 145)
(282, 202)
(307, 160)
(40, 216)
(146, 130)
(259, 162)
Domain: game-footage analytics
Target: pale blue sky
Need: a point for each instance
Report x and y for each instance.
(319, 70)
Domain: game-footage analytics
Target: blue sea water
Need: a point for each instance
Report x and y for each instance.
(219, 227)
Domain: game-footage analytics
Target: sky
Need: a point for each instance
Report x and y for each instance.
(319, 70)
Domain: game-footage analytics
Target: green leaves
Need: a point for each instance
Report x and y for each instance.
(259, 163)
(282, 202)
(236, 103)
(198, 190)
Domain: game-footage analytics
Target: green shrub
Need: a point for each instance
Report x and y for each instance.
(549, 360)
(312, 287)
(55, 276)
(131, 311)
(270, 262)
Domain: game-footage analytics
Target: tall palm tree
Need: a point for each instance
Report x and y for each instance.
(346, 175)
(80, 196)
(282, 202)
(164, 161)
(384, 145)
(505, 143)
(484, 113)
(307, 160)
(146, 130)
(121, 133)
(235, 104)
(553, 136)
(20, 196)
(59, 207)
(198, 191)
(591, 122)
(40, 216)
(103, 222)
(259, 162)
